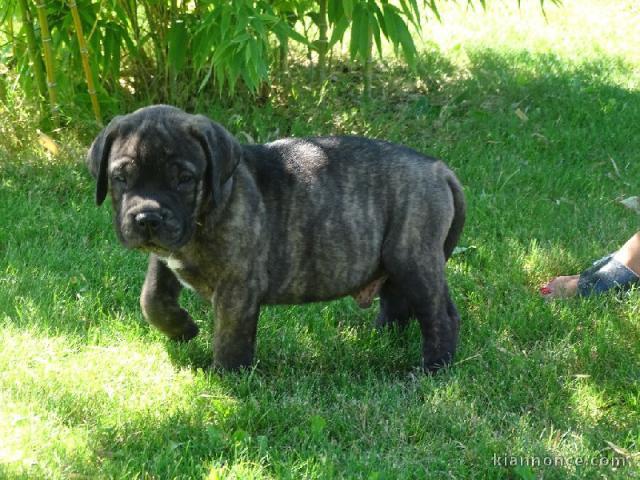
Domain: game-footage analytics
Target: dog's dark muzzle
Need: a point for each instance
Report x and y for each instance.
(152, 229)
(149, 221)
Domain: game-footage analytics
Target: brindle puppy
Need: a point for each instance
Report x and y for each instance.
(292, 221)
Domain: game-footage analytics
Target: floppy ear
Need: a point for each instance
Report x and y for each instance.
(98, 157)
(222, 150)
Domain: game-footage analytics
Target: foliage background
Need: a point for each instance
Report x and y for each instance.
(145, 51)
(190, 52)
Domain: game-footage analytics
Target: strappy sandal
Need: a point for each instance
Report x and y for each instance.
(606, 274)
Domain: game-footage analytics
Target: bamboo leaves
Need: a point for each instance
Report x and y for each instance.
(176, 50)
(234, 41)
(370, 22)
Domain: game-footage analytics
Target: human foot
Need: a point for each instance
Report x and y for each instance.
(560, 287)
(605, 274)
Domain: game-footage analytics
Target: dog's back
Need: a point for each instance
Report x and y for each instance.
(335, 203)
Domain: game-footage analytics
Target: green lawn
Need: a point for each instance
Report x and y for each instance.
(541, 121)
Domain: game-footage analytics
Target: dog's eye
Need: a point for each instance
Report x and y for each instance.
(119, 177)
(185, 178)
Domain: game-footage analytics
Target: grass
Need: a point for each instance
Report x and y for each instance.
(540, 121)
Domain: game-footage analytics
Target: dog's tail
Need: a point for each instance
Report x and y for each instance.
(459, 215)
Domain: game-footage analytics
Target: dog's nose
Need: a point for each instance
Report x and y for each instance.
(150, 220)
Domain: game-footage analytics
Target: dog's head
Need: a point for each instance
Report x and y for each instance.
(161, 166)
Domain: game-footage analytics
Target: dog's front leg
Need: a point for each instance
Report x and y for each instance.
(159, 302)
(235, 327)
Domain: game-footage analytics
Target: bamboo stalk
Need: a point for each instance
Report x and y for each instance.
(32, 47)
(283, 63)
(368, 64)
(153, 11)
(12, 40)
(48, 57)
(323, 41)
(84, 54)
(137, 56)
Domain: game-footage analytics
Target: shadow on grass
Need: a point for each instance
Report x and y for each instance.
(543, 148)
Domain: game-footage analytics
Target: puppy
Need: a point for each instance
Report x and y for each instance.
(292, 221)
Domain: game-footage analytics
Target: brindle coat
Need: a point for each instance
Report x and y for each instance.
(292, 221)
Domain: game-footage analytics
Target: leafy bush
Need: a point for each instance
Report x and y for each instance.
(176, 51)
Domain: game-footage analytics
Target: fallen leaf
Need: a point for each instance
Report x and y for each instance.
(540, 137)
(48, 143)
(633, 203)
(617, 449)
(521, 115)
(460, 250)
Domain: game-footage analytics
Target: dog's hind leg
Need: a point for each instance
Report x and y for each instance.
(394, 307)
(159, 302)
(454, 316)
(437, 317)
(423, 283)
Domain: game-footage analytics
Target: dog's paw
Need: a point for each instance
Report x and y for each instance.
(431, 366)
(189, 332)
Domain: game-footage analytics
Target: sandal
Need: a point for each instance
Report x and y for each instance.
(605, 274)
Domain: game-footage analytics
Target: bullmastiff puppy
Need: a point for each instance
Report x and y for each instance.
(291, 221)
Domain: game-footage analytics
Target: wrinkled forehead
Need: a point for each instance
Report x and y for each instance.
(156, 140)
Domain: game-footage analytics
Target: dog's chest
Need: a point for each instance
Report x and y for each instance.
(190, 276)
